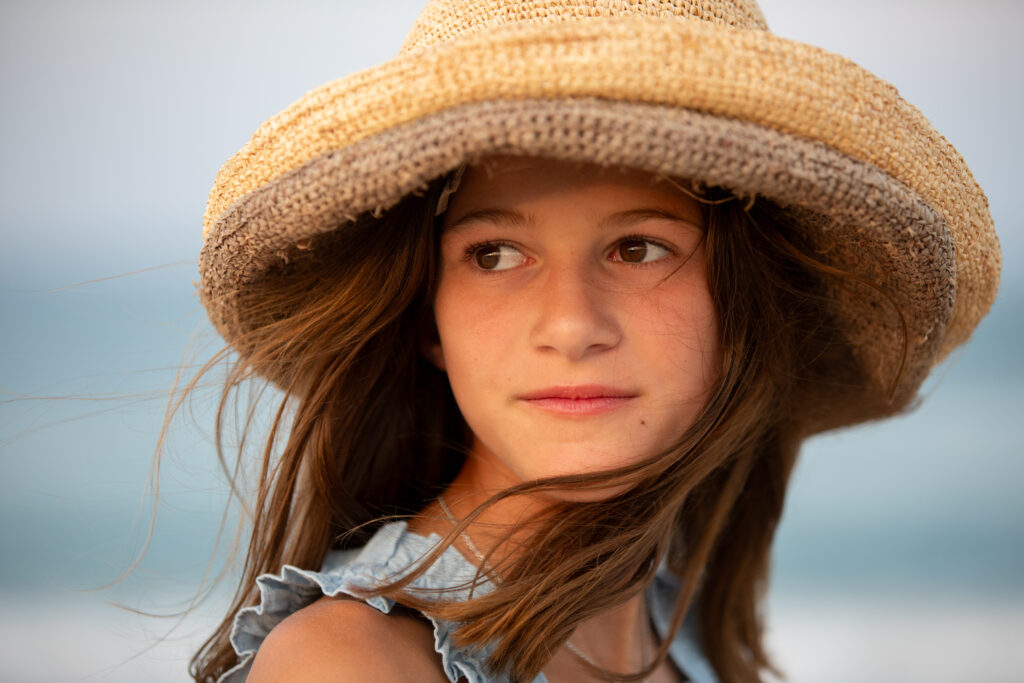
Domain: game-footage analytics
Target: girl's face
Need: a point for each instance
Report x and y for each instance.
(574, 317)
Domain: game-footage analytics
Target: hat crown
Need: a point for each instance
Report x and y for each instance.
(444, 20)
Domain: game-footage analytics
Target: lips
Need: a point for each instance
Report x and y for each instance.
(589, 399)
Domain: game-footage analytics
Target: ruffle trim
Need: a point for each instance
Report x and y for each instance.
(391, 552)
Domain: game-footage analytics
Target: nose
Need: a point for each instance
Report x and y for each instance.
(574, 315)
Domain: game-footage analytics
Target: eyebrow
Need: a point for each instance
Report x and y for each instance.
(634, 216)
(511, 218)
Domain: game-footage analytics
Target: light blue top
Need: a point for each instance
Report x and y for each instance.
(390, 552)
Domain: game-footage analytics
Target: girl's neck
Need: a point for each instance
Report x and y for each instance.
(503, 528)
(620, 639)
(500, 530)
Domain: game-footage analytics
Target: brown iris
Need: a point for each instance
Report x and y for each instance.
(488, 257)
(633, 251)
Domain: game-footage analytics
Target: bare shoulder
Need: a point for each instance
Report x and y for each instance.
(337, 640)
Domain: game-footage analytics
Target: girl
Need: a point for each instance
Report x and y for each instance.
(553, 298)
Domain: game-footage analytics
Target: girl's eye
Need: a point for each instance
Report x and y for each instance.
(637, 250)
(496, 256)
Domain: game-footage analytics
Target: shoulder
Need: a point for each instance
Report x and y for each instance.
(338, 640)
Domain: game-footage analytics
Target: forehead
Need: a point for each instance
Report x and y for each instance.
(500, 181)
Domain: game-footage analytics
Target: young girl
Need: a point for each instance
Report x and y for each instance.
(553, 298)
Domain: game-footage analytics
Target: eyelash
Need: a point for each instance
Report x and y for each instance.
(472, 249)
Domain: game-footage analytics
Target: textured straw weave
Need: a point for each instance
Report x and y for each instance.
(441, 22)
(694, 89)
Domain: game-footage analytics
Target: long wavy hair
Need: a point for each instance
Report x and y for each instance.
(340, 333)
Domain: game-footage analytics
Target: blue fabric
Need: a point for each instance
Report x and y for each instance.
(391, 551)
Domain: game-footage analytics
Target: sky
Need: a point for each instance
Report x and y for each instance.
(114, 119)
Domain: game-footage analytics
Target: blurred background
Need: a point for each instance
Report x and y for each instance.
(901, 554)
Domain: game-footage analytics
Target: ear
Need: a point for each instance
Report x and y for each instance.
(430, 345)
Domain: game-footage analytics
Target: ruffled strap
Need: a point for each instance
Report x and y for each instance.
(391, 551)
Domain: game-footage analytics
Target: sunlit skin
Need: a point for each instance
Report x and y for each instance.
(578, 333)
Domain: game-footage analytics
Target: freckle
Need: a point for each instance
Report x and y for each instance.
(643, 423)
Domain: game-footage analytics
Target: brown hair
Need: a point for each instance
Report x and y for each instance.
(339, 330)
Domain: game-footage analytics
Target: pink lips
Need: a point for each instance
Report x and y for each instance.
(588, 399)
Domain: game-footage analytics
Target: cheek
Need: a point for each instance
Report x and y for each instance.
(681, 331)
(472, 327)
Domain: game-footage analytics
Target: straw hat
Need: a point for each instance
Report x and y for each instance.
(689, 88)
